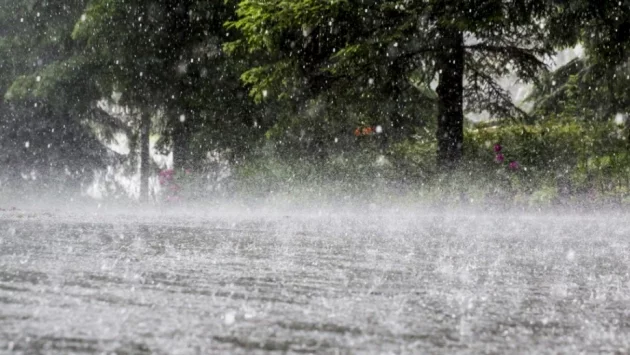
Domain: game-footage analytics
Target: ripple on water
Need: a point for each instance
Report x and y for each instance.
(135, 288)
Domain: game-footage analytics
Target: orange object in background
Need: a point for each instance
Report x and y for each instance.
(365, 131)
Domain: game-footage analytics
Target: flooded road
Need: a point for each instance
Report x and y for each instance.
(324, 283)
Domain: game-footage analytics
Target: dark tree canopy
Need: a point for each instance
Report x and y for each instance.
(44, 132)
(596, 85)
(312, 46)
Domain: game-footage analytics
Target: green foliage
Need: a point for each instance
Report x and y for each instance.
(167, 57)
(310, 46)
(559, 161)
(593, 87)
(266, 83)
(569, 157)
(391, 52)
(45, 140)
(361, 173)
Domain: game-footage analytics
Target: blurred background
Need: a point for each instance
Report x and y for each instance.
(172, 101)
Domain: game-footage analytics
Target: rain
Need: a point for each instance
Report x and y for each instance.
(299, 176)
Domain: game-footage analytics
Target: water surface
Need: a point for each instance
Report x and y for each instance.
(320, 282)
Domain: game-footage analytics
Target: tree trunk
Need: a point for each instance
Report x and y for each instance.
(181, 136)
(614, 103)
(450, 91)
(145, 128)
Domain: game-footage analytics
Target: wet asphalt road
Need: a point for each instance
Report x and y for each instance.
(324, 283)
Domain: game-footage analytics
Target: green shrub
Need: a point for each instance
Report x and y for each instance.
(558, 161)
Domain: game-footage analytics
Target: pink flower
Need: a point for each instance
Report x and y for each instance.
(497, 148)
(168, 173)
(500, 158)
(166, 176)
(514, 165)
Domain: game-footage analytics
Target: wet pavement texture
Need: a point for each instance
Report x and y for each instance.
(316, 284)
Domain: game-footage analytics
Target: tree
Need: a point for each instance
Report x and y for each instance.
(312, 46)
(165, 58)
(591, 87)
(129, 44)
(45, 139)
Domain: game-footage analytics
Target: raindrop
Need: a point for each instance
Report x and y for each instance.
(265, 93)
(229, 318)
(620, 118)
(249, 315)
(38, 78)
(24, 259)
(182, 118)
(27, 144)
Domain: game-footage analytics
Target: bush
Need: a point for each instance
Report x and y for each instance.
(553, 162)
